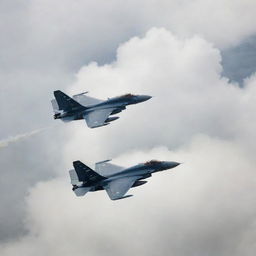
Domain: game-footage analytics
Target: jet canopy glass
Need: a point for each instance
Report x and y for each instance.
(152, 162)
(128, 95)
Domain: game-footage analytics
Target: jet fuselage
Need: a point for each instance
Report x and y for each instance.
(118, 103)
(142, 171)
(116, 183)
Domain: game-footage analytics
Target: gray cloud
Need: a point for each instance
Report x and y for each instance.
(205, 206)
(23, 164)
(202, 207)
(45, 42)
(184, 76)
(69, 34)
(239, 62)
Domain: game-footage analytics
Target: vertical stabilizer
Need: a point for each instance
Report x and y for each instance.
(86, 174)
(55, 106)
(66, 103)
(74, 178)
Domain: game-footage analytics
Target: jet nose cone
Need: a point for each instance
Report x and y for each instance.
(144, 98)
(175, 164)
(172, 164)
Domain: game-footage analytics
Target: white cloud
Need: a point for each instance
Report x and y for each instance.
(45, 41)
(205, 206)
(190, 96)
(223, 22)
(68, 33)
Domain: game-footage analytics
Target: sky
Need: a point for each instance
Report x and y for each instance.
(197, 59)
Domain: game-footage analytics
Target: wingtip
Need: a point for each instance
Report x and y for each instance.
(123, 197)
(104, 161)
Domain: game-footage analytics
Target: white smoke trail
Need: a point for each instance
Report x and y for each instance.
(12, 139)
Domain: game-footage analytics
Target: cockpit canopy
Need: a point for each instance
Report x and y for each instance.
(128, 95)
(152, 162)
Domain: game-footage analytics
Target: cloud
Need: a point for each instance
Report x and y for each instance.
(240, 62)
(205, 206)
(190, 96)
(23, 164)
(45, 42)
(77, 32)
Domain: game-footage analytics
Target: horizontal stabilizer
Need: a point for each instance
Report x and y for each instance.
(81, 191)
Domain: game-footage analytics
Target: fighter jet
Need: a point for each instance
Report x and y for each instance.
(95, 112)
(116, 180)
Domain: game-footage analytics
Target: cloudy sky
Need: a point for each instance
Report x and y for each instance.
(198, 60)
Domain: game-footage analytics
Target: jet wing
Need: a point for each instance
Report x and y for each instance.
(86, 100)
(116, 189)
(97, 118)
(105, 168)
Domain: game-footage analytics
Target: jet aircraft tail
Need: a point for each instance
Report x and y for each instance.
(55, 106)
(65, 103)
(78, 189)
(83, 178)
(86, 175)
(74, 178)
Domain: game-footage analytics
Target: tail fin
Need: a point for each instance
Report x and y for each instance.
(55, 106)
(86, 174)
(73, 177)
(77, 188)
(81, 191)
(65, 102)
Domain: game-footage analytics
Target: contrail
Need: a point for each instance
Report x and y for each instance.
(5, 142)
